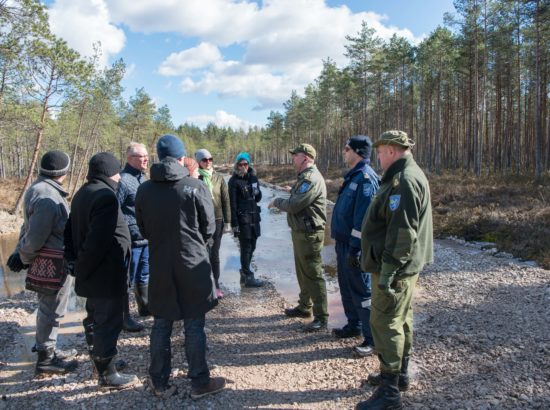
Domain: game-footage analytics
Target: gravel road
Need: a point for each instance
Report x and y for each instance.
(482, 342)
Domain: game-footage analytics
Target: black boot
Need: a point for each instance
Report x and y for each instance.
(129, 324)
(141, 290)
(243, 276)
(251, 282)
(109, 377)
(385, 397)
(49, 363)
(374, 379)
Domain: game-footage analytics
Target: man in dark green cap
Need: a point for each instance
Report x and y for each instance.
(396, 243)
(306, 216)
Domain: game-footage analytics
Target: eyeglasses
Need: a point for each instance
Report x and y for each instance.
(242, 164)
(207, 160)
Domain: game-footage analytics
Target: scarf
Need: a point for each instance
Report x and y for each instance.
(207, 178)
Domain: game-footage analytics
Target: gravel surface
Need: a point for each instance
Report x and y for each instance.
(482, 342)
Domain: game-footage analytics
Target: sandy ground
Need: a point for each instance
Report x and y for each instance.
(482, 342)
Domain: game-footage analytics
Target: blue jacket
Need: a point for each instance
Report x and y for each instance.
(130, 180)
(354, 197)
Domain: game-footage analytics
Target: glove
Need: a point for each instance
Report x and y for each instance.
(226, 228)
(236, 231)
(15, 264)
(69, 267)
(353, 258)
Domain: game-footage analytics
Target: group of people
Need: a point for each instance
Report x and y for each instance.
(161, 237)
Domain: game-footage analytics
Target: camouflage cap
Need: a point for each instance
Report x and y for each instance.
(395, 137)
(304, 149)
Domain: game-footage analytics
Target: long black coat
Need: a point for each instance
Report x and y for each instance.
(175, 213)
(98, 240)
(244, 193)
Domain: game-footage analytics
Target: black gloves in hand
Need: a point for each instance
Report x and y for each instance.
(353, 258)
(15, 264)
(69, 267)
(236, 231)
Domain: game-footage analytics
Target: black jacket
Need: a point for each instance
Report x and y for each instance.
(244, 193)
(98, 240)
(175, 213)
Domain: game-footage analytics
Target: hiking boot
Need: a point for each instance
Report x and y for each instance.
(385, 397)
(62, 354)
(251, 282)
(403, 383)
(297, 312)
(163, 392)
(49, 363)
(214, 385)
(243, 276)
(141, 291)
(364, 349)
(109, 377)
(317, 325)
(346, 332)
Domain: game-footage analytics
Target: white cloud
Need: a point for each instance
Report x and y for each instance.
(221, 119)
(83, 23)
(180, 63)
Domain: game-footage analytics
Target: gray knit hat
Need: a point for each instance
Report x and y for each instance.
(201, 154)
(54, 164)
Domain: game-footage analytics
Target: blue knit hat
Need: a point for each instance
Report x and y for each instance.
(170, 146)
(243, 156)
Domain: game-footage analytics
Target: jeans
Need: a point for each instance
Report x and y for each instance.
(139, 266)
(103, 324)
(195, 351)
(215, 252)
(248, 246)
(51, 308)
(355, 289)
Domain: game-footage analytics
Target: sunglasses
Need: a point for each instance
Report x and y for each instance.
(207, 160)
(242, 164)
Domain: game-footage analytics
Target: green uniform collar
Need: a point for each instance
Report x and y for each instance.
(397, 167)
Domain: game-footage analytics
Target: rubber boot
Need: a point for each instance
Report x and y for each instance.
(49, 363)
(251, 282)
(141, 290)
(129, 324)
(243, 277)
(374, 379)
(385, 397)
(109, 377)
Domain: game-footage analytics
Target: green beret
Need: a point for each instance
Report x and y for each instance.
(304, 149)
(394, 137)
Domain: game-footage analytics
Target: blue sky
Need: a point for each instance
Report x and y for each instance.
(230, 61)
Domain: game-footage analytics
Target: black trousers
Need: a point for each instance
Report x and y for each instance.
(103, 324)
(215, 252)
(248, 246)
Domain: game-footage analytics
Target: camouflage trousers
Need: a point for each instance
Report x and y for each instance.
(391, 321)
(309, 272)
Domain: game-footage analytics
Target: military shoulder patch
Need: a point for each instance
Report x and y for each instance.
(394, 202)
(304, 187)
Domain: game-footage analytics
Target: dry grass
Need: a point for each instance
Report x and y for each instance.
(9, 191)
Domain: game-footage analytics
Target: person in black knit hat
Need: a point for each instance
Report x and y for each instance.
(40, 249)
(97, 240)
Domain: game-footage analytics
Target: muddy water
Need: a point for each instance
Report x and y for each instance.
(273, 260)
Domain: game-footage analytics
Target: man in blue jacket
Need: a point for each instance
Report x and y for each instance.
(354, 197)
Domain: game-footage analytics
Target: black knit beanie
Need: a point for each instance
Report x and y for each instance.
(103, 164)
(361, 144)
(54, 164)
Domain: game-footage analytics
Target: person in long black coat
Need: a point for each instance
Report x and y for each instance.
(244, 194)
(175, 214)
(97, 240)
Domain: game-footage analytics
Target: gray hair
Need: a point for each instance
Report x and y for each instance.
(132, 147)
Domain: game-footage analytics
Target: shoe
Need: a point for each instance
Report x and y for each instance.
(346, 332)
(49, 363)
(219, 293)
(129, 324)
(215, 385)
(65, 354)
(251, 282)
(316, 326)
(243, 276)
(364, 349)
(109, 377)
(163, 392)
(386, 396)
(297, 312)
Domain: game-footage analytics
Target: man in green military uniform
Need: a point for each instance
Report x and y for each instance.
(396, 243)
(306, 216)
